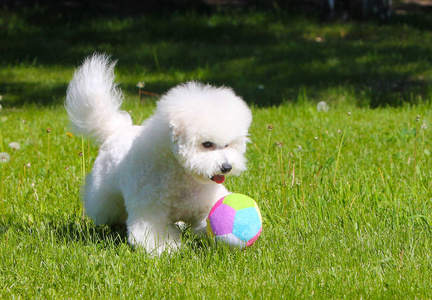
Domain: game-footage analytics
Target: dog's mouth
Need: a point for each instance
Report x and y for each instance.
(218, 178)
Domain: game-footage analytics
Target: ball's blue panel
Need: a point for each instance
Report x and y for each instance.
(247, 223)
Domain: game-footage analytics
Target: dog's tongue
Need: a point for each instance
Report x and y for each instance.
(219, 178)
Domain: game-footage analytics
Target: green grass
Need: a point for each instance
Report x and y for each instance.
(347, 216)
(367, 234)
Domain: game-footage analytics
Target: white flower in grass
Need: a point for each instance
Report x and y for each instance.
(14, 146)
(140, 84)
(4, 157)
(322, 106)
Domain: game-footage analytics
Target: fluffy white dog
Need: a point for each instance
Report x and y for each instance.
(169, 169)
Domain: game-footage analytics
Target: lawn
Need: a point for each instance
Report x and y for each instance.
(345, 194)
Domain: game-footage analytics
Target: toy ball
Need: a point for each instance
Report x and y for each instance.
(235, 220)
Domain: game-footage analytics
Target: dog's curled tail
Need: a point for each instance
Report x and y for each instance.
(93, 99)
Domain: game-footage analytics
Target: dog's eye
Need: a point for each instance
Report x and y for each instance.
(226, 145)
(207, 144)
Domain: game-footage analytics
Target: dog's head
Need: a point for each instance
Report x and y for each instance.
(209, 130)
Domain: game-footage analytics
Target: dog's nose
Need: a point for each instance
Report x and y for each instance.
(226, 167)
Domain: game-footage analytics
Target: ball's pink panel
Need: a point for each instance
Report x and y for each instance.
(217, 204)
(222, 220)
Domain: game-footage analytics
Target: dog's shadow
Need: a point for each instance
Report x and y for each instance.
(68, 231)
(84, 231)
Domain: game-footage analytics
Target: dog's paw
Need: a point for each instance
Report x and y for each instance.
(155, 240)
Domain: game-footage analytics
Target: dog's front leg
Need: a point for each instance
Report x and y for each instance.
(199, 227)
(154, 236)
(211, 196)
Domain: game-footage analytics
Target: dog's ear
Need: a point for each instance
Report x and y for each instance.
(178, 138)
(181, 142)
(174, 132)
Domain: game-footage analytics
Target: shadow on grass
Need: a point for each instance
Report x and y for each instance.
(267, 57)
(87, 232)
(41, 94)
(71, 231)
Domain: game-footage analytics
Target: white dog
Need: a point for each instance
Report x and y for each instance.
(169, 169)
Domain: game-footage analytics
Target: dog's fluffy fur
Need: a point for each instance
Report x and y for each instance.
(170, 168)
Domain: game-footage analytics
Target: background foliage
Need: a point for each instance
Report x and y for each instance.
(268, 57)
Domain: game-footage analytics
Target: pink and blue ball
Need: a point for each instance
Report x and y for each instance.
(235, 220)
